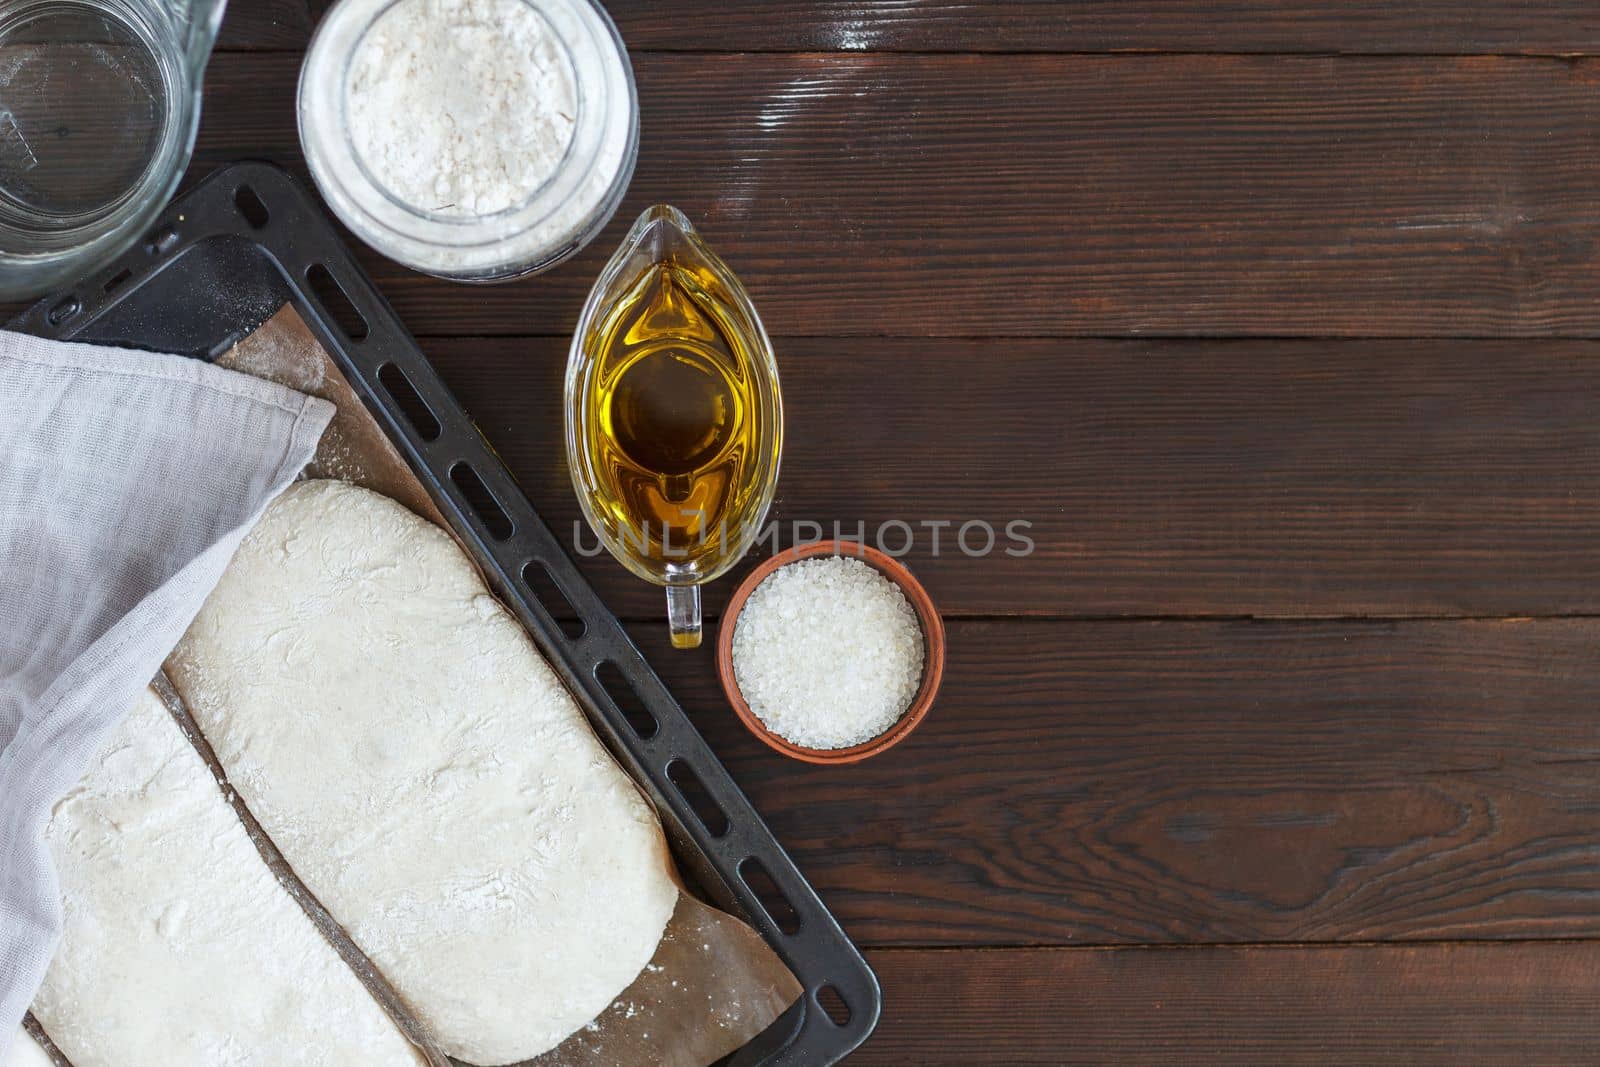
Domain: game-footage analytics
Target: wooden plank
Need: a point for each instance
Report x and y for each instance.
(1566, 27)
(1157, 477)
(1145, 782)
(1429, 26)
(265, 25)
(1445, 1005)
(1043, 195)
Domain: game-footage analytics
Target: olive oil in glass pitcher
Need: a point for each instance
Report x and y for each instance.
(674, 423)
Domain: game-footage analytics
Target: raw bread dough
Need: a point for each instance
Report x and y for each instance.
(25, 1052)
(423, 771)
(179, 945)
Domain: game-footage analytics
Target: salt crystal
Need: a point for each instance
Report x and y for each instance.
(827, 652)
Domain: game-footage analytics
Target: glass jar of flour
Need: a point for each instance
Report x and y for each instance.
(476, 140)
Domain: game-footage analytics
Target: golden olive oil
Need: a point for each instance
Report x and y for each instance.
(674, 425)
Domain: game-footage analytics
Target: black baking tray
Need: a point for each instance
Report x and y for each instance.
(248, 240)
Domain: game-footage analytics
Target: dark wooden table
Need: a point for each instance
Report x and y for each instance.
(1276, 321)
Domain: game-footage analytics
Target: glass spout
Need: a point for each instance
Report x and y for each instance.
(661, 230)
(660, 234)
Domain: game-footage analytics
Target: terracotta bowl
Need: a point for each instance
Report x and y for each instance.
(932, 668)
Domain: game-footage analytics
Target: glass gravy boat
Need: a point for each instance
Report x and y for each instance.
(99, 106)
(674, 421)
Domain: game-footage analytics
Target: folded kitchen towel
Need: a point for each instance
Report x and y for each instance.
(127, 479)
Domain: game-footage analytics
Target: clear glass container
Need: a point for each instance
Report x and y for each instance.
(99, 106)
(674, 416)
(561, 215)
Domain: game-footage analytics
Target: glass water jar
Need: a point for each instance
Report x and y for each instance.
(99, 106)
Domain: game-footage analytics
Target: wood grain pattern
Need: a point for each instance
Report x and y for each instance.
(1429, 26)
(936, 238)
(1566, 27)
(1148, 783)
(970, 195)
(265, 25)
(1435, 1006)
(1158, 478)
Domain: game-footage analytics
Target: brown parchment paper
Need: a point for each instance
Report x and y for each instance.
(713, 983)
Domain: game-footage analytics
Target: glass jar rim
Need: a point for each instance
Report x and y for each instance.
(488, 243)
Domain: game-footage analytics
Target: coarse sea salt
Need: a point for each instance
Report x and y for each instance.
(827, 652)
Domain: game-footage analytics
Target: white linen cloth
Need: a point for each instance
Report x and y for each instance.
(127, 479)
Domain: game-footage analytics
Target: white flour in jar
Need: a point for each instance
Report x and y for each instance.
(461, 107)
(472, 139)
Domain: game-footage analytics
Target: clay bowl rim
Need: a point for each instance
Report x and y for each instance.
(932, 635)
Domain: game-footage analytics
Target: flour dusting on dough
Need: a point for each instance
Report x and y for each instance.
(425, 774)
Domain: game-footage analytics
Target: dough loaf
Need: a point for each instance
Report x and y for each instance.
(425, 773)
(179, 945)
